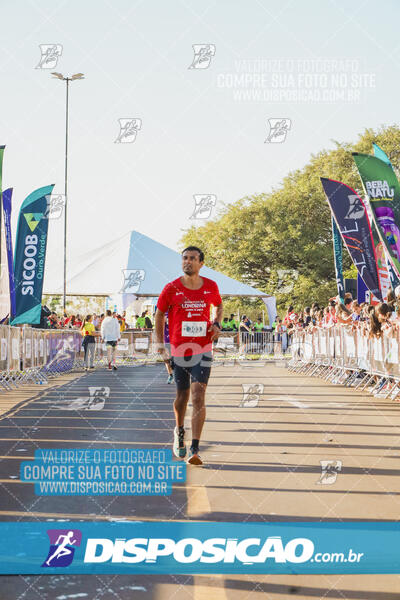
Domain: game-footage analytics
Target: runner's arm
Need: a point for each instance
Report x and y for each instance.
(220, 312)
(159, 323)
(216, 331)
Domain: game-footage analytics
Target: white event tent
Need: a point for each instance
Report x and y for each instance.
(134, 266)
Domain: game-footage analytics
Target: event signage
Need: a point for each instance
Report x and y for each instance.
(352, 220)
(30, 255)
(383, 190)
(394, 281)
(338, 258)
(70, 547)
(379, 153)
(384, 277)
(7, 194)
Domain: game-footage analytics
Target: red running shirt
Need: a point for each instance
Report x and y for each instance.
(189, 315)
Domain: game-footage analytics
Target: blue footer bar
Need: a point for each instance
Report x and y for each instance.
(193, 548)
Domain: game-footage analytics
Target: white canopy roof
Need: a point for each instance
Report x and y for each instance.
(133, 264)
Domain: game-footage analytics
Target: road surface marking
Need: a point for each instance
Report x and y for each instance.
(290, 400)
(197, 503)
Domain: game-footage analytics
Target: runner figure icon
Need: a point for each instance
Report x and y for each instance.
(62, 549)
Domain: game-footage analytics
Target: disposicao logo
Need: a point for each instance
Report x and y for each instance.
(209, 554)
(190, 550)
(62, 547)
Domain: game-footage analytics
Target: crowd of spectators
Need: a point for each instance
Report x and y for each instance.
(54, 321)
(371, 319)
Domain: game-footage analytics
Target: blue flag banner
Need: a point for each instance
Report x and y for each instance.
(199, 547)
(338, 258)
(361, 290)
(7, 194)
(353, 223)
(30, 256)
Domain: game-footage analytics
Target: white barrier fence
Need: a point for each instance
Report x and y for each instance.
(30, 354)
(341, 355)
(263, 342)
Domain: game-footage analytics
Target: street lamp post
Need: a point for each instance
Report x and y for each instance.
(67, 80)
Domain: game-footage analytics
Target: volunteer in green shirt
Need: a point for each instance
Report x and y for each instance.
(258, 325)
(226, 325)
(233, 323)
(141, 321)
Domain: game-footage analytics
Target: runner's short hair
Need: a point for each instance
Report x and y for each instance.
(195, 249)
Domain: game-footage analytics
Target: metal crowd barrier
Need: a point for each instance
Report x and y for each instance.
(344, 356)
(263, 342)
(244, 344)
(134, 347)
(28, 354)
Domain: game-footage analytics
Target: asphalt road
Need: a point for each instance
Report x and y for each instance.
(265, 435)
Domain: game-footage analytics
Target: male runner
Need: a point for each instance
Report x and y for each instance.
(187, 300)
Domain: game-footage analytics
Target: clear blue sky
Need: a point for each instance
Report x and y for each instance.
(198, 136)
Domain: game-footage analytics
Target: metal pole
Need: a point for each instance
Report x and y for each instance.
(65, 193)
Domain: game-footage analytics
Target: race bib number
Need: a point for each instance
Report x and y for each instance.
(194, 328)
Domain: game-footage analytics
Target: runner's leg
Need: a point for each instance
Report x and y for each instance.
(180, 406)
(109, 355)
(86, 356)
(199, 408)
(200, 374)
(169, 371)
(91, 350)
(182, 379)
(114, 353)
(168, 366)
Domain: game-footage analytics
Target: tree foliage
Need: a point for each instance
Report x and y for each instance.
(281, 242)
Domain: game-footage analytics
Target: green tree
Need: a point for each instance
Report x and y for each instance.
(281, 242)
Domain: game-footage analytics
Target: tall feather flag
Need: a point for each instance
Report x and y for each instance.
(30, 256)
(353, 223)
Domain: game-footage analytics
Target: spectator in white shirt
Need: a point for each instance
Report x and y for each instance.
(111, 334)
